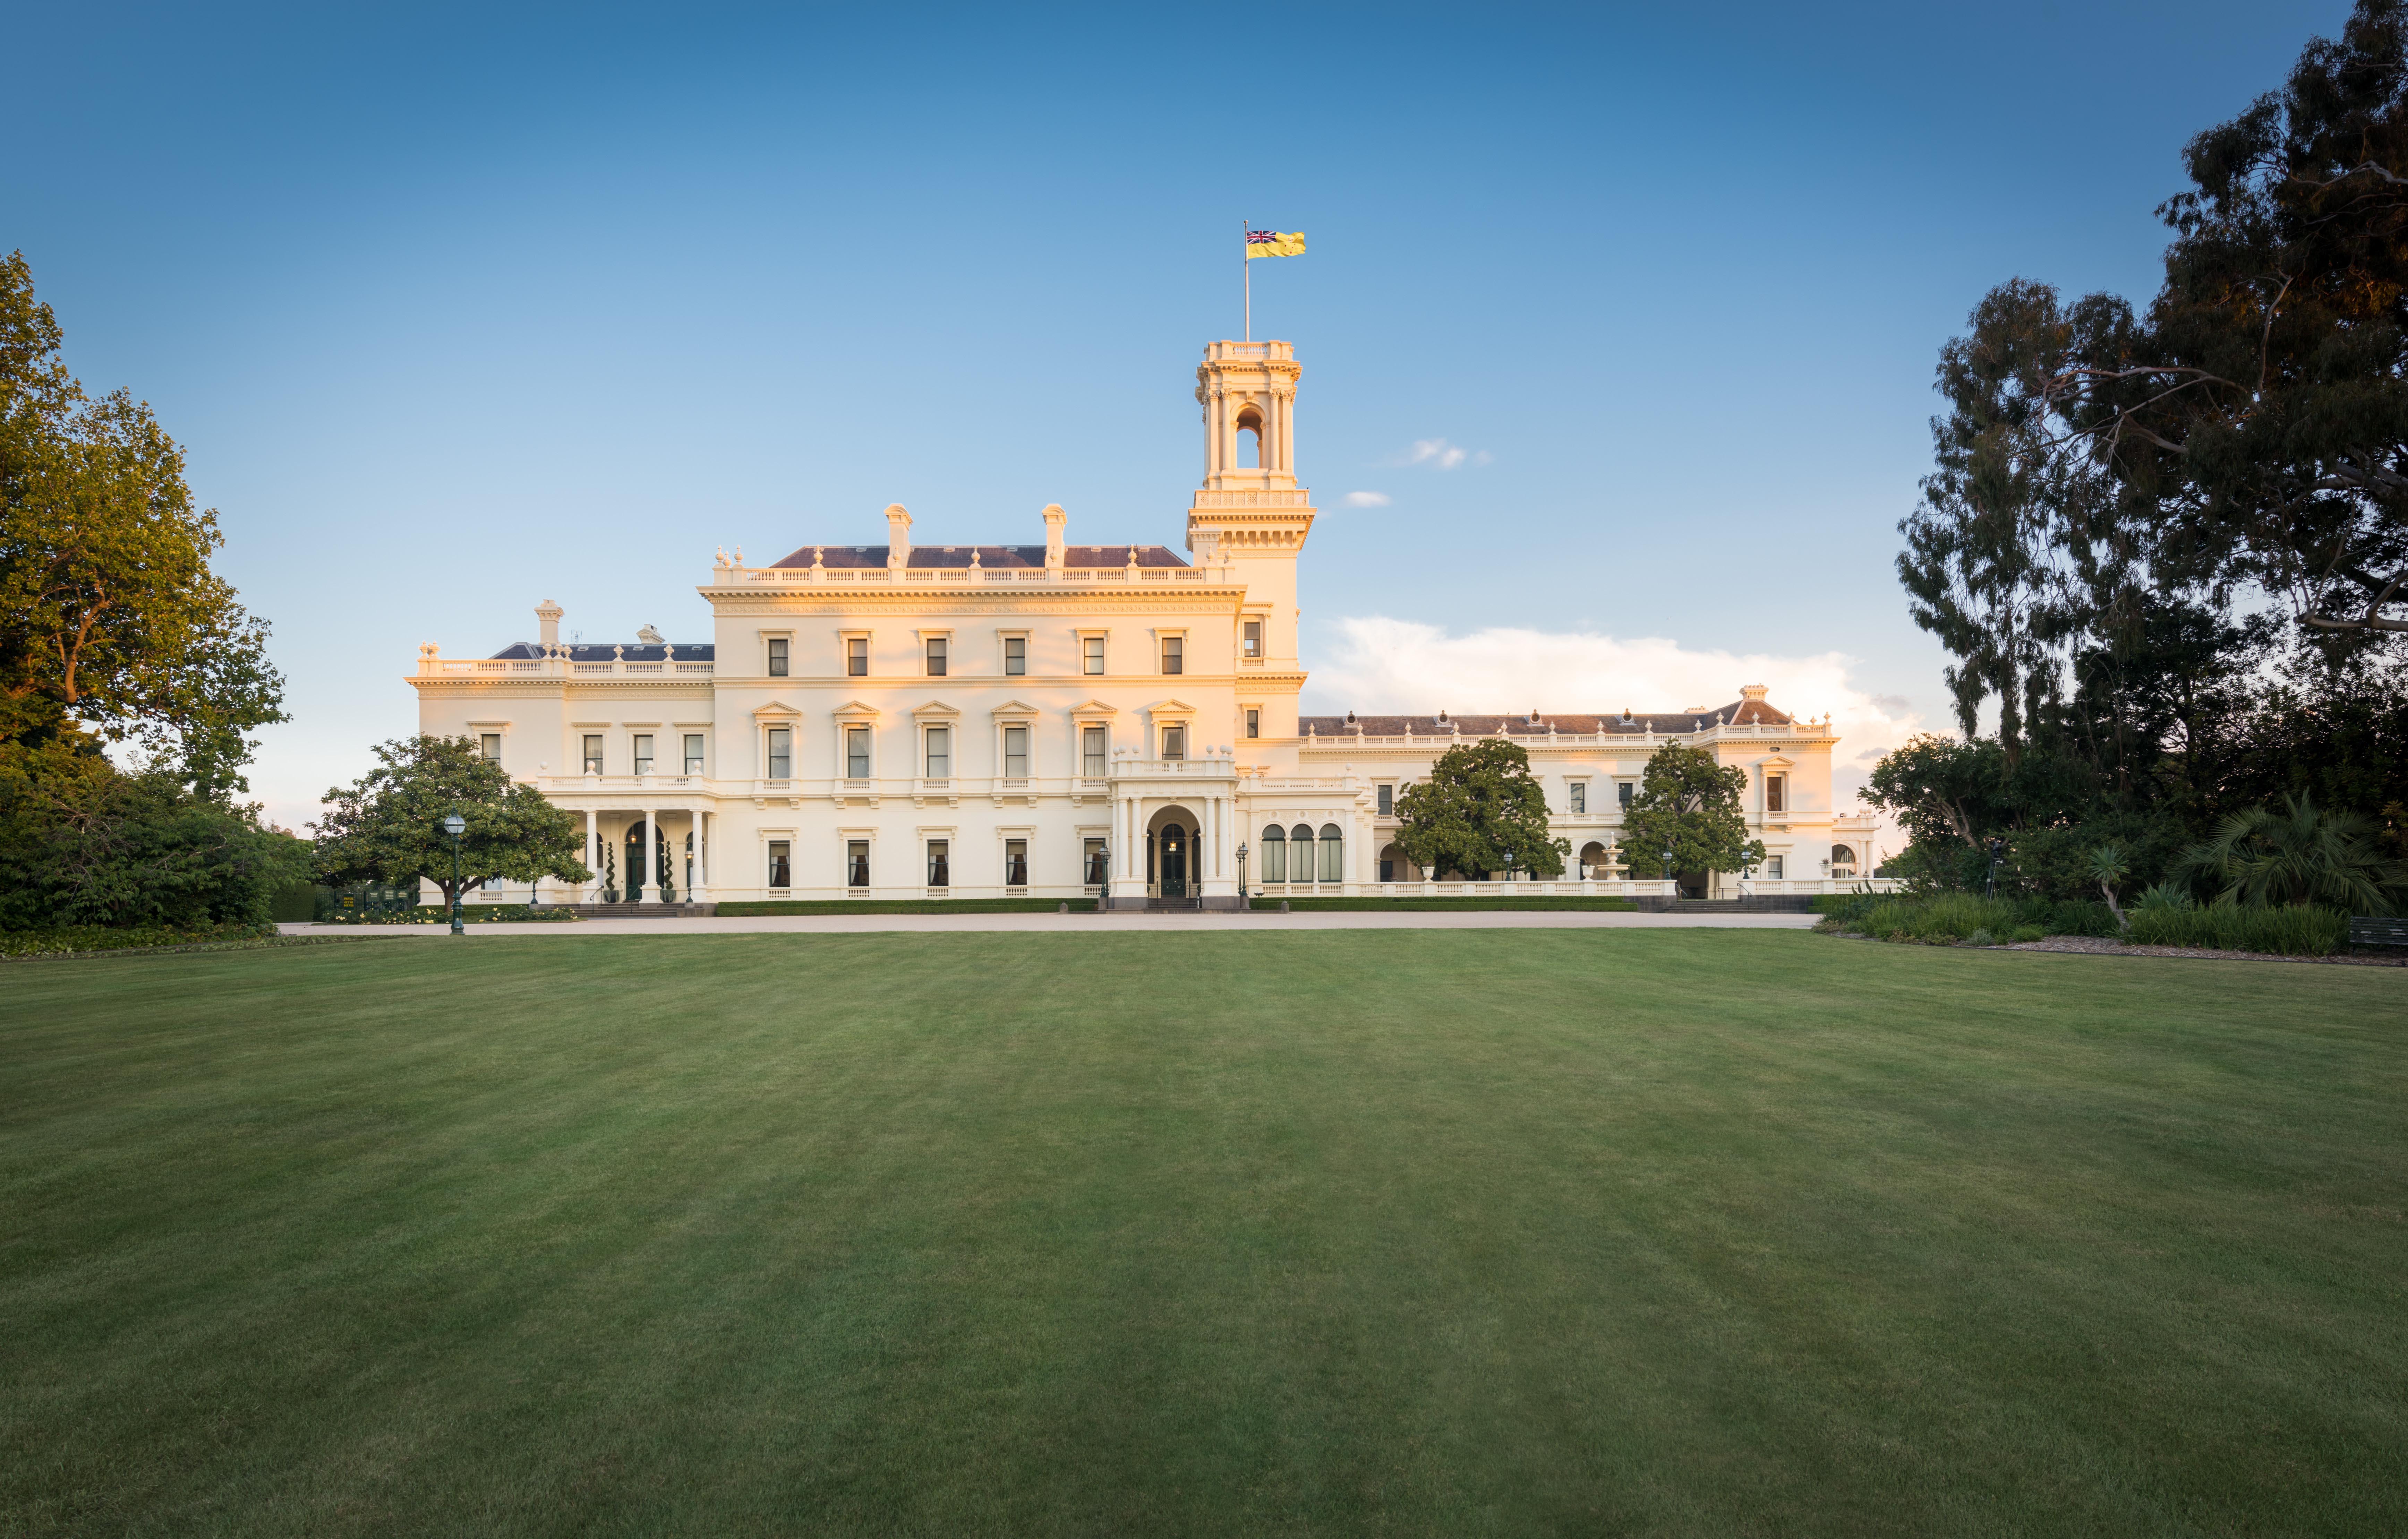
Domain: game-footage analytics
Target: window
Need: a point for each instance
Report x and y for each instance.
(856, 862)
(1301, 854)
(1095, 863)
(856, 753)
(778, 657)
(1015, 862)
(941, 870)
(1843, 860)
(490, 745)
(1015, 753)
(1579, 790)
(1274, 854)
(1174, 654)
(781, 863)
(1174, 742)
(856, 657)
(1091, 752)
(1094, 654)
(1776, 792)
(1773, 867)
(1254, 638)
(1333, 853)
(1253, 722)
(1015, 656)
(694, 753)
(940, 753)
(592, 753)
(1387, 866)
(782, 753)
(1621, 793)
(1387, 801)
(936, 657)
(643, 754)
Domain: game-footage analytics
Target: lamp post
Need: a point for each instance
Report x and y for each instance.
(1104, 888)
(1241, 873)
(455, 826)
(1670, 890)
(1998, 848)
(1510, 857)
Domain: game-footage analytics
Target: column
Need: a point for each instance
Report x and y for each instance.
(701, 857)
(594, 858)
(651, 892)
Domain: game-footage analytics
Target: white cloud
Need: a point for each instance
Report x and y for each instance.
(1444, 455)
(1382, 664)
(1366, 499)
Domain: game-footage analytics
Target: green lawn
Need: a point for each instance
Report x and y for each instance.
(1451, 1233)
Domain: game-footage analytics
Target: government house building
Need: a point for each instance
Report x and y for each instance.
(1063, 720)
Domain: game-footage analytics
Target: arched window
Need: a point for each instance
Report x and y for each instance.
(1274, 854)
(1250, 439)
(1592, 858)
(1842, 856)
(1300, 858)
(1333, 853)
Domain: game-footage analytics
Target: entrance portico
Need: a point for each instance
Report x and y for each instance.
(1171, 824)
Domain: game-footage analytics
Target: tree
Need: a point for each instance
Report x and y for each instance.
(111, 620)
(1478, 811)
(387, 826)
(2300, 856)
(1689, 803)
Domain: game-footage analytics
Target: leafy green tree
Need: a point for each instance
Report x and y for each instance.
(111, 620)
(2300, 856)
(1689, 805)
(387, 826)
(1480, 811)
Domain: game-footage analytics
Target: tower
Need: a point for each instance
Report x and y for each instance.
(1250, 511)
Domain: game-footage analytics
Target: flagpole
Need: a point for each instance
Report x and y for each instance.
(1245, 259)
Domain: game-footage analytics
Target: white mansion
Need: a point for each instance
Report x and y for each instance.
(901, 720)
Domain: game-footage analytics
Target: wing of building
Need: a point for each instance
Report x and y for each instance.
(988, 720)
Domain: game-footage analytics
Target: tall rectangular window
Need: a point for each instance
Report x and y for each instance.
(936, 657)
(782, 753)
(781, 863)
(1094, 863)
(1015, 656)
(1776, 792)
(1253, 722)
(694, 753)
(1091, 752)
(1174, 742)
(490, 745)
(777, 657)
(856, 862)
(1015, 862)
(1579, 790)
(1254, 638)
(1387, 801)
(592, 753)
(1773, 867)
(856, 753)
(940, 753)
(1015, 753)
(643, 754)
(1174, 654)
(1093, 649)
(940, 869)
(856, 657)
(1622, 794)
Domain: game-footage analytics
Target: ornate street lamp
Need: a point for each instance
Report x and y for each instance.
(1241, 873)
(455, 826)
(1668, 889)
(1104, 888)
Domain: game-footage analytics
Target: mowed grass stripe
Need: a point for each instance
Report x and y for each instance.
(1501, 1231)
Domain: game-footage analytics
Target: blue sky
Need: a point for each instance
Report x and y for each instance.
(456, 309)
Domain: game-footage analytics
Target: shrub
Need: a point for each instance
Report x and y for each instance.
(2288, 930)
(1949, 917)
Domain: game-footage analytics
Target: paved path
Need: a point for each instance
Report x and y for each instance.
(1088, 924)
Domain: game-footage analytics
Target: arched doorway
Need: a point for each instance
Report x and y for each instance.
(642, 861)
(1174, 867)
(1593, 863)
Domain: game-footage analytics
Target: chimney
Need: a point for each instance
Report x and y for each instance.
(1751, 691)
(898, 536)
(547, 620)
(1054, 520)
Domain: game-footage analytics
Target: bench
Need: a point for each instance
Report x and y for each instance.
(2372, 932)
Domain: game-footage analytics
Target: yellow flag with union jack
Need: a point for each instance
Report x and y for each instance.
(1264, 243)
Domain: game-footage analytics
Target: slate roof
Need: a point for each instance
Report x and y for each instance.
(636, 651)
(988, 555)
(1520, 724)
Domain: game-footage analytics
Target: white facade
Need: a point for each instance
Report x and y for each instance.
(966, 722)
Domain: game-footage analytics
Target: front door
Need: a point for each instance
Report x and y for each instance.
(636, 842)
(1174, 862)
